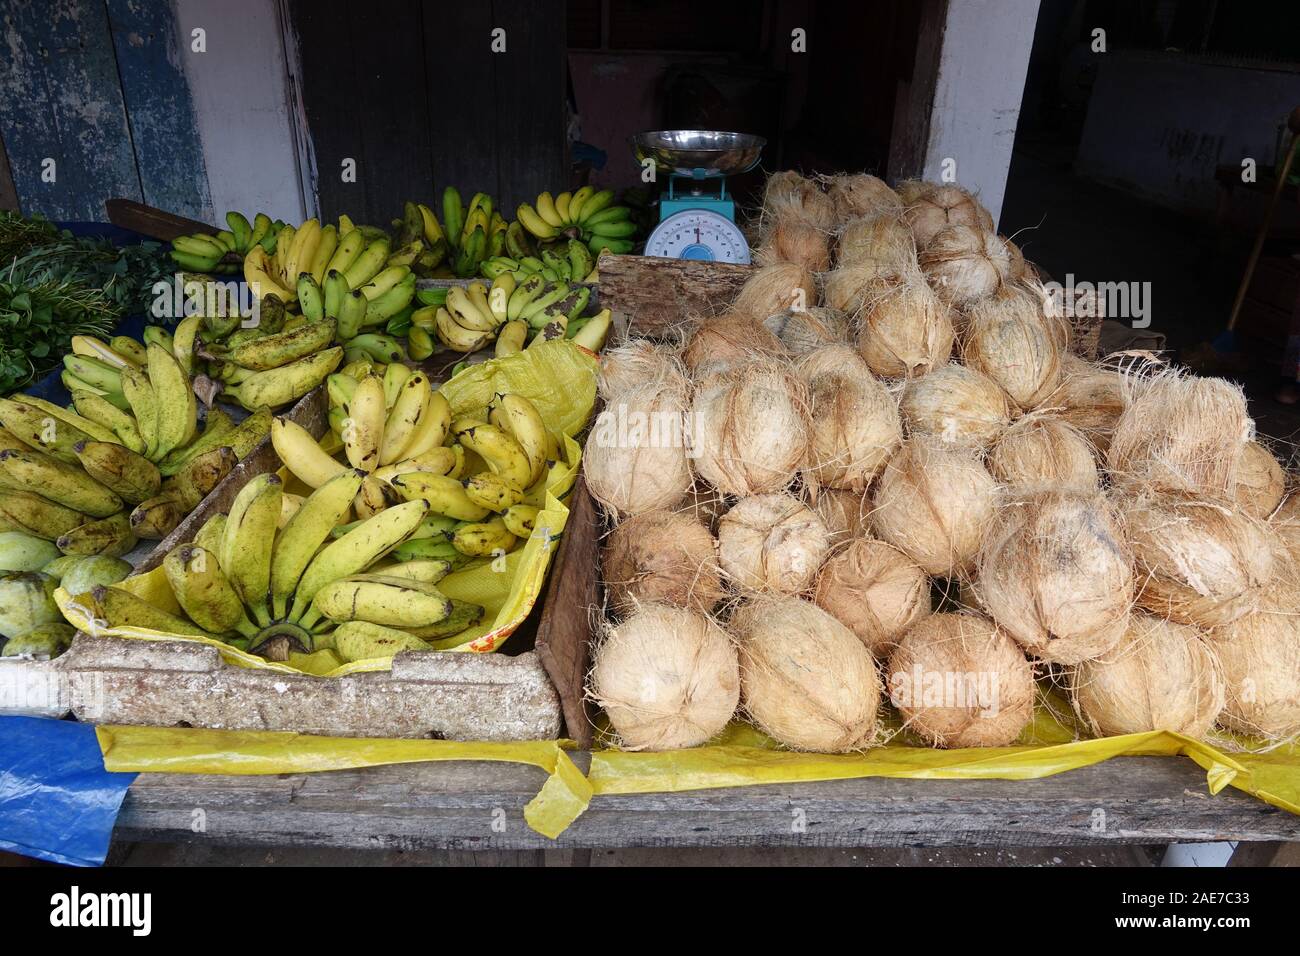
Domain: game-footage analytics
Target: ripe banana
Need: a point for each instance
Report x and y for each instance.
(424, 570)
(520, 520)
(303, 455)
(118, 608)
(467, 313)
(456, 337)
(111, 536)
(432, 429)
(463, 615)
(203, 591)
(404, 420)
(533, 221)
(511, 338)
(444, 495)
(519, 418)
(177, 416)
(356, 550)
(30, 513)
(391, 601)
(285, 384)
(484, 539)
(158, 517)
(363, 641)
(246, 545)
(40, 430)
(437, 461)
(201, 475)
(91, 347)
(368, 264)
(492, 492)
(131, 477)
(257, 273)
(351, 245)
(501, 453)
(306, 531)
(274, 351)
(363, 426)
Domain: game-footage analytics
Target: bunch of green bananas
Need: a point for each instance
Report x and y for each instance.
(586, 215)
(572, 262)
(474, 233)
(468, 319)
(223, 251)
(31, 624)
(271, 580)
(419, 241)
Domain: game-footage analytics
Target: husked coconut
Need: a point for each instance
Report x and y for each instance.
(728, 341)
(772, 543)
(1007, 339)
(1160, 676)
(910, 190)
(940, 207)
(797, 241)
(1261, 483)
(854, 423)
(805, 679)
(959, 681)
(1043, 452)
(956, 405)
(852, 287)
(806, 331)
(791, 197)
(666, 677)
(875, 591)
(933, 502)
(1200, 561)
(906, 332)
(1285, 523)
(1260, 656)
(882, 239)
(847, 514)
(640, 363)
(661, 557)
(861, 195)
(636, 453)
(965, 264)
(1089, 397)
(775, 288)
(1056, 573)
(750, 428)
(1181, 432)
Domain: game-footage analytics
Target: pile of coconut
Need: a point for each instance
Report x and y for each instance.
(880, 481)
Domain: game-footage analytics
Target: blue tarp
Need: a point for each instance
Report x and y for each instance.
(57, 802)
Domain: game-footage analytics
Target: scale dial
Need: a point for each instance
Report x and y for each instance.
(700, 235)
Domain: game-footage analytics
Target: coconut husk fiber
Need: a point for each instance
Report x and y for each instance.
(796, 241)
(640, 363)
(1261, 482)
(728, 341)
(775, 288)
(853, 424)
(635, 459)
(1260, 656)
(847, 514)
(882, 239)
(790, 197)
(772, 543)
(1056, 572)
(666, 677)
(957, 405)
(1160, 676)
(803, 331)
(806, 680)
(940, 207)
(1041, 451)
(906, 332)
(861, 194)
(874, 590)
(1008, 340)
(964, 264)
(661, 557)
(1180, 432)
(959, 681)
(1089, 397)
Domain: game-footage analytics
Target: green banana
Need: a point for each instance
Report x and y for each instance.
(246, 546)
(201, 475)
(157, 335)
(376, 346)
(463, 615)
(288, 383)
(39, 430)
(275, 351)
(177, 406)
(394, 602)
(217, 427)
(363, 641)
(352, 314)
(94, 372)
(524, 294)
(64, 484)
(112, 536)
(204, 592)
(335, 290)
(158, 517)
(453, 216)
(144, 405)
(117, 608)
(131, 477)
(311, 299)
(368, 264)
(30, 513)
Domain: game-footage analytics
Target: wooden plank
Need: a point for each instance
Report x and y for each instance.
(8, 194)
(460, 806)
(659, 295)
(532, 151)
(460, 73)
(63, 102)
(151, 221)
(164, 129)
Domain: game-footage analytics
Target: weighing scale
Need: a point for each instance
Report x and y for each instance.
(696, 222)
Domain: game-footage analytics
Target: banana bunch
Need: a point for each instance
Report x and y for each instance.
(585, 215)
(273, 581)
(358, 252)
(576, 264)
(420, 242)
(468, 319)
(223, 251)
(474, 233)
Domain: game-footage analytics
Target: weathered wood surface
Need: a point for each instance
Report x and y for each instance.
(658, 295)
(479, 806)
(151, 221)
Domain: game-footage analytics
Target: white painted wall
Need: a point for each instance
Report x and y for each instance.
(982, 67)
(241, 100)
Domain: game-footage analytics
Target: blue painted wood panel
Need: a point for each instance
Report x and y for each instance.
(61, 100)
(164, 131)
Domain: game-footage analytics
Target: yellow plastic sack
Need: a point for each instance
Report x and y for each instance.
(558, 803)
(559, 378)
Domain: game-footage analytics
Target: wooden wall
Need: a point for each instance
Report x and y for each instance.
(425, 103)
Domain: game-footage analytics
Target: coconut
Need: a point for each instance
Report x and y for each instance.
(1260, 656)
(910, 190)
(959, 681)
(940, 207)
(667, 678)
(1017, 268)
(854, 420)
(772, 543)
(635, 458)
(875, 591)
(906, 332)
(1200, 561)
(1043, 452)
(791, 197)
(965, 264)
(639, 363)
(776, 288)
(1285, 522)
(957, 405)
(932, 502)
(845, 513)
(726, 342)
(852, 287)
(797, 241)
(1089, 397)
(882, 239)
(1160, 676)
(781, 190)
(1056, 573)
(1181, 432)
(1261, 483)
(750, 428)
(861, 195)
(661, 557)
(802, 331)
(805, 679)
(1007, 339)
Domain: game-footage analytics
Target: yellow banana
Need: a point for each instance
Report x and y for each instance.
(478, 295)
(575, 206)
(329, 241)
(444, 494)
(92, 429)
(484, 539)
(247, 544)
(257, 273)
(303, 455)
(372, 498)
(395, 376)
(511, 338)
(456, 337)
(204, 592)
(301, 250)
(111, 536)
(105, 414)
(288, 383)
(562, 207)
(92, 347)
(501, 452)
(289, 505)
(131, 477)
(519, 418)
(177, 408)
(425, 570)
(306, 531)
(363, 641)
(437, 461)
(431, 431)
(534, 222)
(520, 520)
(390, 601)
(546, 209)
(492, 492)
(498, 296)
(67, 485)
(363, 425)
(351, 244)
(467, 314)
(404, 419)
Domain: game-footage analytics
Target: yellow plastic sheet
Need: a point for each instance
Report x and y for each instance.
(563, 796)
(559, 378)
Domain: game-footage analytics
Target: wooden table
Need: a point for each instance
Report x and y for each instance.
(478, 806)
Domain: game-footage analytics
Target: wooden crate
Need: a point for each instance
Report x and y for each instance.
(455, 696)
